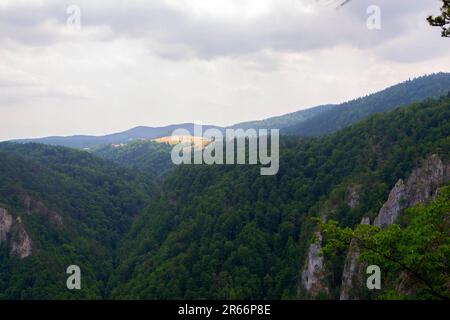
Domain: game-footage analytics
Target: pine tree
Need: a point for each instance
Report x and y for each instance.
(443, 20)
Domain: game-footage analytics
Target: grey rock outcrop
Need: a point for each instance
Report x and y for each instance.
(21, 245)
(353, 196)
(392, 207)
(352, 272)
(6, 221)
(421, 186)
(13, 232)
(314, 271)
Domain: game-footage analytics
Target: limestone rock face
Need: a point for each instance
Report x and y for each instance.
(423, 183)
(392, 207)
(314, 270)
(352, 272)
(421, 186)
(353, 196)
(21, 245)
(13, 231)
(6, 221)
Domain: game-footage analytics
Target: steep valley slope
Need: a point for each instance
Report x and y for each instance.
(218, 232)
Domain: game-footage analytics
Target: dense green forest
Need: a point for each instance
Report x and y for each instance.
(414, 253)
(287, 120)
(145, 155)
(226, 232)
(217, 232)
(75, 207)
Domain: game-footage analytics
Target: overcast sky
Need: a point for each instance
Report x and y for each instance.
(160, 62)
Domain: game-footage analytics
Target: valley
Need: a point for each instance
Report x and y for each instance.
(141, 228)
(224, 159)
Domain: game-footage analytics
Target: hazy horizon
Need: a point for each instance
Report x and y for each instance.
(205, 124)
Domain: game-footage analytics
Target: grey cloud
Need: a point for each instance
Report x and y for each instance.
(15, 81)
(19, 86)
(179, 34)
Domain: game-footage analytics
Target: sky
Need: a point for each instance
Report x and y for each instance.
(97, 67)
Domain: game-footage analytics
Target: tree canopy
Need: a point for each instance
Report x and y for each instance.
(442, 20)
(416, 249)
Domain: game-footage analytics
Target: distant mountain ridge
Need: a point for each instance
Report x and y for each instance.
(225, 232)
(86, 141)
(314, 121)
(285, 120)
(217, 232)
(345, 114)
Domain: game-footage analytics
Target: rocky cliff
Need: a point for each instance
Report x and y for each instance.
(421, 186)
(12, 231)
(353, 270)
(313, 275)
(6, 221)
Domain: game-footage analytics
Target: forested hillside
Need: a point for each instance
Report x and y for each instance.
(226, 232)
(72, 208)
(402, 94)
(285, 121)
(145, 155)
(217, 232)
(413, 253)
